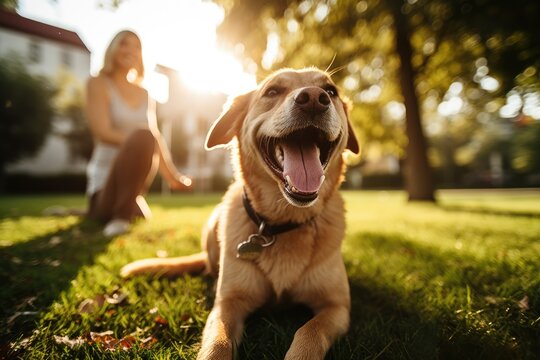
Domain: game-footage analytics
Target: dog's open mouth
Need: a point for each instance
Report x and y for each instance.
(299, 160)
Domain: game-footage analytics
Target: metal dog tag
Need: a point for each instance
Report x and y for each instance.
(254, 245)
(251, 248)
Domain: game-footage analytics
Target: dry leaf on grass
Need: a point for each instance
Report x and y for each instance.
(161, 321)
(524, 303)
(108, 341)
(64, 340)
(91, 305)
(116, 298)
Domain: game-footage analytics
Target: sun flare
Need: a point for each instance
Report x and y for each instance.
(190, 47)
(178, 34)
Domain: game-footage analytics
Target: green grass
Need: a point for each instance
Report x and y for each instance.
(460, 279)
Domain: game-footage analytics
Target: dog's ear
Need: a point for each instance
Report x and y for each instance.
(352, 142)
(227, 126)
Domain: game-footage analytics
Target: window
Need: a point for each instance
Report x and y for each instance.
(66, 58)
(34, 52)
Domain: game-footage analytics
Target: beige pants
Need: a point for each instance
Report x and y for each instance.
(132, 173)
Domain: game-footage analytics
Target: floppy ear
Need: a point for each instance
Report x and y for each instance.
(226, 127)
(352, 142)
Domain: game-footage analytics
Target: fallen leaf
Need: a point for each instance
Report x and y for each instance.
(64, 340)
(524, 303)
(491, 300)
(148, 342)
(116, 298)
(104, 338)
(25, 302)
(161, 321)
(111, 343)
(55, 240)
(186, 318)
(24, 343)
(125, 343)
(55, 263)
(91, 305)
(153, 310)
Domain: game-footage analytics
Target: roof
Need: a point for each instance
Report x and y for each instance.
(12, 20)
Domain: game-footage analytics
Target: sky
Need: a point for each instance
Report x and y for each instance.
(176, 33)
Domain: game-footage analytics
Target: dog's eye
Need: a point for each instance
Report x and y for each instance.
(331, 90)
(271, 91)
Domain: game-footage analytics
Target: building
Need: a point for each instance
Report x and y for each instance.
(191, 114)
(184, 118)
(45, 50)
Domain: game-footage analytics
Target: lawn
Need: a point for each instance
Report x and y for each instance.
(460, 279)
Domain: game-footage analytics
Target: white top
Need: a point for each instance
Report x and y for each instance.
(125, 119)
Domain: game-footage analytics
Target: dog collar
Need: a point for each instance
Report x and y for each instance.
(266, 236)
(267, 229)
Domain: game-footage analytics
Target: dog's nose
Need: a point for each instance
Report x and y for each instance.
(313, 100)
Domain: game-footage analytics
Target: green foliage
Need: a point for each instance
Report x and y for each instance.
(26, 112)
(526, 150)
(458, 279)
(69, 103)
(453, 42)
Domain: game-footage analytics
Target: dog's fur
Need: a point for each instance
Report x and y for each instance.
(305, 264)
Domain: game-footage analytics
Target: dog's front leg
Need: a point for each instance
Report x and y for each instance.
(223, 330)
(237, 296)
(313, 340)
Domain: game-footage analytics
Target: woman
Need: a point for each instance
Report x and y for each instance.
(128, 146)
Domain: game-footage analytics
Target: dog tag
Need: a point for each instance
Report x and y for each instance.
(248, 250)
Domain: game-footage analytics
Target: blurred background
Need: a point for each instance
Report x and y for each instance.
(445, 94)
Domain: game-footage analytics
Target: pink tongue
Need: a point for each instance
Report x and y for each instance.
(301, 163)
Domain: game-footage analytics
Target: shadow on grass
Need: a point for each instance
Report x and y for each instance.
(35, 272)
(393, 317)
(420, 302)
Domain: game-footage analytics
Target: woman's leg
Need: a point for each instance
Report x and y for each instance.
(131, 174)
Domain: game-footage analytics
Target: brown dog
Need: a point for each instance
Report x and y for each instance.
(278, 232)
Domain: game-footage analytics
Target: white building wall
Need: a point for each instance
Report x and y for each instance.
(51, 59)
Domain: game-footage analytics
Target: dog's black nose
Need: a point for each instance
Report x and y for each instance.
(313, 100)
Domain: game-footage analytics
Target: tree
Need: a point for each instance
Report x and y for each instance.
(72, 125)
(26, 112)
(435, 43)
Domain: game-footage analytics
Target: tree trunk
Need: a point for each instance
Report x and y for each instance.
(418, 174)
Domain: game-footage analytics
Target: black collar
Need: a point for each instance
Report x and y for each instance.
(268, 230)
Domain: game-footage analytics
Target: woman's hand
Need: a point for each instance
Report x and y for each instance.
(180, 182)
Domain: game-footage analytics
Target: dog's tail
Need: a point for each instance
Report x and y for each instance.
(167, 267)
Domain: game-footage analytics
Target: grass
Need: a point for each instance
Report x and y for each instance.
(460, 279)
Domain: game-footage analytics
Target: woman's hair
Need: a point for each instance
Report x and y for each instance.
(108, 62)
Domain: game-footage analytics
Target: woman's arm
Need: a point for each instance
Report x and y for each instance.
(168, 170)
(97, 113)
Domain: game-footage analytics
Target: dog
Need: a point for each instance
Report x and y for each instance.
(277, 233)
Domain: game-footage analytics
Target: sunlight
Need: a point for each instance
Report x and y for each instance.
(182, 36)
(212, 70)
(177, 34)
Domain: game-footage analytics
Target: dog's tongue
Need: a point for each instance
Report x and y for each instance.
(301, 163)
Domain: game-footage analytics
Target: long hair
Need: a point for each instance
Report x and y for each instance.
(108, 62)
